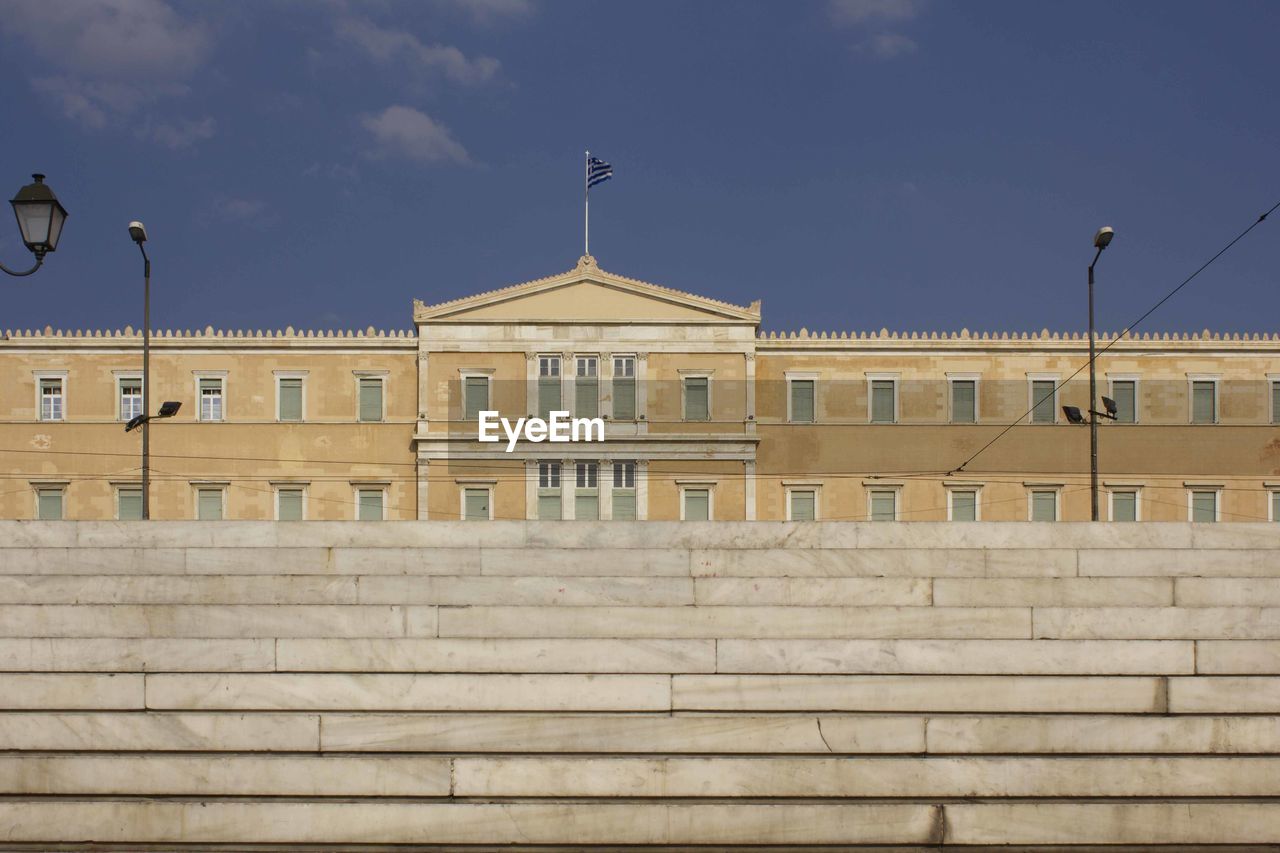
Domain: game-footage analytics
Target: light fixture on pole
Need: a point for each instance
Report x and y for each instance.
(138, 233)
(1100, 241)
(40, 219)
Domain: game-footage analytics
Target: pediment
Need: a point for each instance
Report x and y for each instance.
(587, 294)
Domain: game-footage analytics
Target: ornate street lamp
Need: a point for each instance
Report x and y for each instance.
(40, 219)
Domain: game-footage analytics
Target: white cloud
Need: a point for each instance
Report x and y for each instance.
(387, 46)
(887, 46)
(405, 132)
(180, 133)
(489, 11)
(853, 12)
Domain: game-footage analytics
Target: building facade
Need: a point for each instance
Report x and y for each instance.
(704, 417)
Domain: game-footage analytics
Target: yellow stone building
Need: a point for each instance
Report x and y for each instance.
(705, 417)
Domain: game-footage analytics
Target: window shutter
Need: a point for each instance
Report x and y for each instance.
(209, 504)
(1204, 506)
(370, 399)
(476, 394)
(290, 504)
(1042, 401)
(963, 402)
(586, 397)
(695, 398)
(624, 506)
(1124, 505)
(129, 504)
(697, 505)
(290, 399)
(1126, 399)
(964, 505)
(1275, 506)
(884, 506)
(624, 398)
(1202, 411)
(586, 507)
(1044, 506)
(1275, 402)
(802, 506)
(371, 505)
(549, 507)
(802, 400)
(882, 401)
(476, 504)
(50, 504)
(548, 396)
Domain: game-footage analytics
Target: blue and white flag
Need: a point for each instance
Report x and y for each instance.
(598, 171)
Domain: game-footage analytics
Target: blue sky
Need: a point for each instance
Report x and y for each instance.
(914, 164)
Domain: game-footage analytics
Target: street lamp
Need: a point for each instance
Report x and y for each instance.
(40, 219)
(1100, 241)
(138, 233)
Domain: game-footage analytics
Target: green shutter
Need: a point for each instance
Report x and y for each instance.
(476, 394)
(1275, 506)
(476, 504)
(586, 397)
(964, 409)
(802, 400)
(697, 505)
(884, 506)
(370, 399)
(1124, 505)
(371, 505)
(129, 504)
(1042, 411)
(548, 396)
(1044, 506)
(1202, 402)
(549, 506)
(695, 398)
(1204, 506)
(1125, 395)
(586, 506)
(1275, 402)
(624, 399)
(209, 504)
(290, 399)
(964, 505)
(882, 401)
(50, 504)
(802, 506)
(289, 506)
(624, 505)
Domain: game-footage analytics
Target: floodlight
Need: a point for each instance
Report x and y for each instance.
(1073, 414)
(169, 408)
(1110, 406)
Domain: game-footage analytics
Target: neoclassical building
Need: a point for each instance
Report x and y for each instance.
(705, 418)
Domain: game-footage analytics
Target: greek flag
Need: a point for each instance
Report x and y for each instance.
(598, 171)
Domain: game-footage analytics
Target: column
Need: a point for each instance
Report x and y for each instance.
(749, 489)
(751, 397)
(568, 488)
(530, 489)
(568, 384)
(606, 397)
(605, 484)
(642, 490)
(424, 389)
(422, 472)
(642, 405)
(531, 380)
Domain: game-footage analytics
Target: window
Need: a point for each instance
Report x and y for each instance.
(586, 498)
(1204, 504)
(624, 491)
(49, 503)
(586, 387)
(51, 403)
(371, 404)
(209, 503)
(476, 503)
(964, 401)
(1124, 504)
(289, 503)
(697, 398)
(1044, 504)
(129, 503)
(1275, 506)
(130, 390)
(210, 399)
(801, 405)
(1204, 401)
(1275, 402)
(548, 385)
(695, 504)
(1044, 404)
(1125, 393)
(882, 505)
(549, 491)
(370, 504)
(962, 504)
(289, 398)
(802, 504)
(475, 396)
(883, 403)
(624, 388)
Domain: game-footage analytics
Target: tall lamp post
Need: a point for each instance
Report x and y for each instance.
(1100, 241)
(40, 219)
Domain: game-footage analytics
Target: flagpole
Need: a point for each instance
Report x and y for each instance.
(586, 205)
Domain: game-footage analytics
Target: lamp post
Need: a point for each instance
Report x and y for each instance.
(1100, 241)
(138, 232)
(40, 219)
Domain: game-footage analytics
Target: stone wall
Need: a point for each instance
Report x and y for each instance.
(447, 684)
